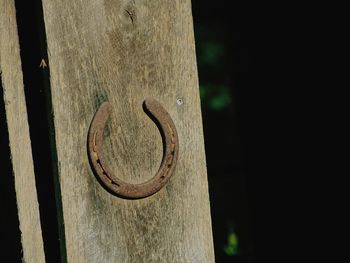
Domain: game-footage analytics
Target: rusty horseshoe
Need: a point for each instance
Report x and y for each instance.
(116, 186)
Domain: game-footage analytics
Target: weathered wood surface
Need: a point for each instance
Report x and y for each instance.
(123, 52)
(20, 147)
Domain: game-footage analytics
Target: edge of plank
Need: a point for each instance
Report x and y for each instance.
(20, 145)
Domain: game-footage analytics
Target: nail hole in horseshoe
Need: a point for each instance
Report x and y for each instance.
(116, 186)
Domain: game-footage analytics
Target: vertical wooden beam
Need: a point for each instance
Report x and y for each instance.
(123, 51)
(18, 129)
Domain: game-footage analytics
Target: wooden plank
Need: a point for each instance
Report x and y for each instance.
(20, 147)
(124, 51)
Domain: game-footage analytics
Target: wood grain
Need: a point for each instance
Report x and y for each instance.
(122, 52)
(20, 147)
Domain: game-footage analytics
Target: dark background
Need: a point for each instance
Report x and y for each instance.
(245, 91)
(225, 59)
(228, 44)
(266, 82)
(255, 64)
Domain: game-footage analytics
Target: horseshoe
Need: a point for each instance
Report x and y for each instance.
(116, 186)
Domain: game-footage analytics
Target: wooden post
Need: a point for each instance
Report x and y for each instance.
(123, 52)
(18, 129)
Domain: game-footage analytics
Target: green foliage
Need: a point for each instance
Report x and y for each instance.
(215, 97)
(213, 74)
(231, 248)
(211, 53)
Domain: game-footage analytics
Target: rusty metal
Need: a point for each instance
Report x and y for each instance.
(115, 185)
